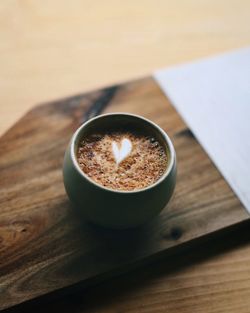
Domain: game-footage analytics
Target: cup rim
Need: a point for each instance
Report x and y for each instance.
(170, 165)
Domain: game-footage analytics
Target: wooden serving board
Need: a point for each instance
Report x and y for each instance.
(46, 247)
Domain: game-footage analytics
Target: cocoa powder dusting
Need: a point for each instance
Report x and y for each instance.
(145, 164)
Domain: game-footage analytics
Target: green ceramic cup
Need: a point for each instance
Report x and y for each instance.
(113, 208)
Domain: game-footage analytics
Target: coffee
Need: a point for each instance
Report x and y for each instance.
(122, 160)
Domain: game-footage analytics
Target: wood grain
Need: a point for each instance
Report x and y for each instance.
(51, 49)
(45, 246)
(213, 277)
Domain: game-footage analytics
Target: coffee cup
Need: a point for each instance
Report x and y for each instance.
(112, 208)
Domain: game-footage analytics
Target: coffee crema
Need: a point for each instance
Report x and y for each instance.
(122, 160)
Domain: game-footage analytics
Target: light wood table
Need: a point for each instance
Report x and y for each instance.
(51, 49)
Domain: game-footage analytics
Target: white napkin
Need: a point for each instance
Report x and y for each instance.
(213, 97)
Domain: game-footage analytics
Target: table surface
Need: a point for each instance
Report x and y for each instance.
(51, 49)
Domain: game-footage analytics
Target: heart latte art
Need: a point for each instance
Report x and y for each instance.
(120, 153)
(122, 160)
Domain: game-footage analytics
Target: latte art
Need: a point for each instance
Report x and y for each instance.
(122, 160)
(121, 153)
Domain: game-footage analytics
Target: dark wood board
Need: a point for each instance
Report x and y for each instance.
(45, 246)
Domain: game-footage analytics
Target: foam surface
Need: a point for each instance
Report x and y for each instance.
(144, 165)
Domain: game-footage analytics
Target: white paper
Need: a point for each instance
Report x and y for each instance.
(213, 97)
